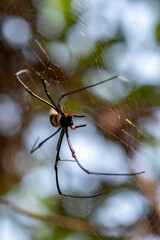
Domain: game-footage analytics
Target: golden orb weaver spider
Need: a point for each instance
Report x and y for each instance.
(63, 121)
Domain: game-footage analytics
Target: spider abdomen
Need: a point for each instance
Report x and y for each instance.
(54, 117)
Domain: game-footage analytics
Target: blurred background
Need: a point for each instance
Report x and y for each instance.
(87, 41)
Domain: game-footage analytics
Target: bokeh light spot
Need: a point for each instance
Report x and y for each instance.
(61, 55)
(10, 117)
(50, 22)
(16, 31)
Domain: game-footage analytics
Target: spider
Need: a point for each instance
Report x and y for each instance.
(64, 121)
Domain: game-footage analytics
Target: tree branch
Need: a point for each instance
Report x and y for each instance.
(61, 221)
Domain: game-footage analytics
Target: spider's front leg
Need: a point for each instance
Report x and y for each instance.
(79, 126)
(45, 87)
(78, 116)
(17, 75)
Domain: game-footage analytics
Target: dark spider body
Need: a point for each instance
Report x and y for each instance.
(65, 121)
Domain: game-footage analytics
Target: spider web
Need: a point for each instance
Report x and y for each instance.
(121, 116)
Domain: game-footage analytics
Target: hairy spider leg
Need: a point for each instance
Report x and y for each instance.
(28, 90)
(56, 170)
(95, 173)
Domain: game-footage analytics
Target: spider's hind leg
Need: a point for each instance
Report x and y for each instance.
(34, 148)
(56, 170)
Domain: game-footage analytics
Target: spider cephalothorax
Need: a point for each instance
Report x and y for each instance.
(64, 121)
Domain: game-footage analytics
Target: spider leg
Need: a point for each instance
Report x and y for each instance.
(96, 173)
(66, 160)
(57, 160)
(41, 143)
(28, 90)
(33, 148)
(45, 88)
(78, 116)
(79, 126)
(56, 170)
(90, 86)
